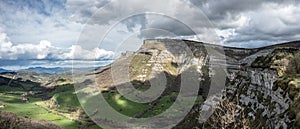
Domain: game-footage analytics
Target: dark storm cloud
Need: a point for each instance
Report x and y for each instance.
(248, 21)
(135, 20)
(165, 26)
(220, 9)
(84, 9)
(254, 22)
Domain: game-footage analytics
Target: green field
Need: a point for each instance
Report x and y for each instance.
(124, 106)
(129, 108)
(65, 97)
(30, 110)
(37, 109)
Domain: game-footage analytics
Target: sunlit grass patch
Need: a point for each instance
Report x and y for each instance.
(123, 105)
(30, 110)
(67, 101)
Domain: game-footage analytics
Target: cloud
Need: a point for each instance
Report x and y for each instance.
(45, 50)
(82, 10)
(231, 19)
(247, 23)
(274, 24)
(78, 53)
(159, 15)
(36, 20)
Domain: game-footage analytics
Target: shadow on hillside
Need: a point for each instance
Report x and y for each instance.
(19, 83)
(187, 83)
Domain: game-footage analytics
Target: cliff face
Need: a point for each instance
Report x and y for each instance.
(260, 85)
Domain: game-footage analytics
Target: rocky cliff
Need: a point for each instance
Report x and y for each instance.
(247, 88)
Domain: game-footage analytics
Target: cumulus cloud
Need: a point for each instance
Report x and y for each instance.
(36, 20)
(45, 50)
(78, 53)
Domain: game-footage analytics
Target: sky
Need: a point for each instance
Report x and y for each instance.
(61, 30)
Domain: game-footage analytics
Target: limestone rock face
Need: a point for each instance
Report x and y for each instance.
(255, 78)
(252, 87)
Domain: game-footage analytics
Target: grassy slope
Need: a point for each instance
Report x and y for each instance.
(30, 110)
(37, 109)
(130, 108)
(65, 96)
(123, 105)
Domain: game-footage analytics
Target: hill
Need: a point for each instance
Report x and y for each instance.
(259, 84)
(4, 70)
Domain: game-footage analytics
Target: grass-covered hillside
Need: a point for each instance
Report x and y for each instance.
(30, 101)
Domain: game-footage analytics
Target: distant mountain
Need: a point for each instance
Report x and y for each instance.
(4, 70)
(46, 70)
(55, 69)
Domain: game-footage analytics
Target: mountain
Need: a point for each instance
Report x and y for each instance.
(4, 70)
(241, 87)
(56, 70)
(47, 70)
(47, 77)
